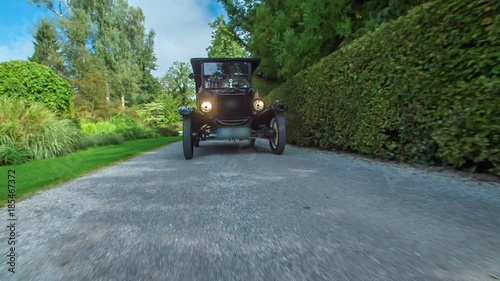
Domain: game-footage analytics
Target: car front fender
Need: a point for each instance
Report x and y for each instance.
(186, 110)
(278, 108)
(264, 117)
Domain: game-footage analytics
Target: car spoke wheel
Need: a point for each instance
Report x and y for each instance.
(187, 137)
(277, 140)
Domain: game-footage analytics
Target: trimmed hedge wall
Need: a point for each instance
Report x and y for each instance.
(36, 83)
(423, 88)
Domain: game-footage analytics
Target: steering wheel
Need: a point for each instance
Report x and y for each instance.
(237, 83)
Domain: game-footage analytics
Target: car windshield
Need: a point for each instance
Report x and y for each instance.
(233, 74)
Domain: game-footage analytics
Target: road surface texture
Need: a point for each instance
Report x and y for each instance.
(238, 213)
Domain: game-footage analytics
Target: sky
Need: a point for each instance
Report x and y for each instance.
(181, 27)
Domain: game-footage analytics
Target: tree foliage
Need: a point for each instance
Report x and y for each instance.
(170, 107)
(176, 83)
(223, 44)
(163, 111)
(177, 90)
(37, 83)
(290, 35)
(105, 46)
(47, 47)
(91, 101)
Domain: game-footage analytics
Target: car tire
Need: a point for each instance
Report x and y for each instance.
(196, 142)
(251, 142)
(277, 142)
(187, 138)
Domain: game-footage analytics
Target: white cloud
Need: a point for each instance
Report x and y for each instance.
(19, 49)
(181, 27)
(17, 40)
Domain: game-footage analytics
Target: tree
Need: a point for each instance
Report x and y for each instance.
(224, 44)
(150, 89)
(241, 14)
(170, 107)
(150, 86)
(162, 111)
(290, 35)
(153, 114)
(47, 47)
(107, 37)
(298, 33)
(76, 31)
(176, 82)
(51, 5)
(91, 100)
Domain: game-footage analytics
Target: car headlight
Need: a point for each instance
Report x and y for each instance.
(206, 106)
(258, 105)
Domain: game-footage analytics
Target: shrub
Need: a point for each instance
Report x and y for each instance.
(154, 113)
(31, 131)
(423, 88)
(124, 122)
(139, 133)
(125, 126)
(167, 131)
(12, 154)
(98, 128)
(99, 140)
(34, 82)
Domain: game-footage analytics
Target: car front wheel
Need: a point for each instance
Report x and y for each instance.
(187, 137)
(277, 140)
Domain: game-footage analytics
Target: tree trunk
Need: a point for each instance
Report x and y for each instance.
(123, 104)
(107, 92)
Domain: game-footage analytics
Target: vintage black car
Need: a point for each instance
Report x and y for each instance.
(228, 108)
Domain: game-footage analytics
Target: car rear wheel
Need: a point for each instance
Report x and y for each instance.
(277, 140)
(187, 137)
(196, 142)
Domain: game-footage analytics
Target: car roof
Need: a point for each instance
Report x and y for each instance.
(197, 62)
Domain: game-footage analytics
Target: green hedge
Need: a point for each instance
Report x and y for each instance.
(36, 83)
(423, 88)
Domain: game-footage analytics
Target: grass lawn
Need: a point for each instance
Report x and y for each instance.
(38, 174)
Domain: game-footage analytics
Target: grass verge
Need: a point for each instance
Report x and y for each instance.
(39, 174)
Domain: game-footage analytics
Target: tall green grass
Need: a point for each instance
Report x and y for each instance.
(125, 126)
(31, 131)
(98, 128)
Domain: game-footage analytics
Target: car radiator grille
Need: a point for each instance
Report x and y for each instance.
(232, 107)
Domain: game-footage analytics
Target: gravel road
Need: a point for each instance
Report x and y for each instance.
(239, 213)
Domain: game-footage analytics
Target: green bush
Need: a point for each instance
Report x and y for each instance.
(36, 83)
(167, 131)
(423, 88)
(135, 133)
(124, 122)
(99, 140)
(31, 131)
(125, 126)
(98, 128)
(12, 154)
